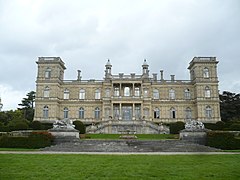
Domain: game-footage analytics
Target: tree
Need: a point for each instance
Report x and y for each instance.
(229, 106)
(28, 105)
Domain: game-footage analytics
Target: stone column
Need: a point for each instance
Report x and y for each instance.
(133, 112)
(120, 111)
(120, 90)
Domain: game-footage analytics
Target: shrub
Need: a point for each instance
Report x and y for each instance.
(80, 126)
(36, 125)
(220, 125)
(18, 125)
(222, 140)
(175, 128)
(234, 127)
(35, 140)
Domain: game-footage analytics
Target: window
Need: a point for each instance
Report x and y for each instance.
(107, 112)
(155, 94)
(116, 112)
(146, 112)
(46, 92)
(188, 112)
(48, 73)
(206, 72)
(65, 113)
(208, 112)
(45, 112)
(107, 92)
(66, 94)
(187, 94)
(82, 94)
(207, 92)
(156, 113)
(97, 113)
(127, 91)
(145, 92)
(81, 113)
(97, 94)
(138, 112)
(116, 91)
(137, 91)
(171, 94)
(172, 113)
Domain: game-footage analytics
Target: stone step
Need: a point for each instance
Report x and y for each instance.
(129, 146)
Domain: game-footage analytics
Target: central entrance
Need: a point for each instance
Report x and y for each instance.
(127, 112)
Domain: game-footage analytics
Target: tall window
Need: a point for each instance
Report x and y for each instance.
(155, 94)
(171, 94)
(66, 94)
(116, 91)
(45, 112)
(207, 92)
(48, 73)
(116, 112)
(172, 113)
(156, 113)
(65, 113)
(81, 113)
(208, 112)
(137, 91)
(187, 94)
(82, 94)
(97, 113)
(206, 72)
(46, 92)
(146, 112)
(97, 94)
(188, 113)
(107, 92)
(138, 112)
(127, 91)
(145, 92)
(107, 112)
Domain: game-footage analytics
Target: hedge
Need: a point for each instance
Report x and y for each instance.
(175, 128)
(222, 140)
(34, 141)
(80, 126)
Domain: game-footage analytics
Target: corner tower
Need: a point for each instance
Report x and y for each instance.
(203, 74)
(49, 77)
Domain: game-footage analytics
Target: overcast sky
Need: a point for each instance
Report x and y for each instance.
(85, 33)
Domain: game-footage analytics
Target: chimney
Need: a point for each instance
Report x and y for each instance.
(161, 72)
(172, 78)
(79, 75)
(154, 76)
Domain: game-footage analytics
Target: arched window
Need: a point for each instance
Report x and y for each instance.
(97, 113)
(188, 113)
(206, 72)
(97, 94)
(66, 94)
(82, 94)
(208, 112)
(207, 92)
(187, 94)
(155, 94)
(172, 113)
(156, 113)
(65, 113)
(81, 113)
(45, 112)
(46, 92)
(127, 91)
(171, 94)
(48, 73)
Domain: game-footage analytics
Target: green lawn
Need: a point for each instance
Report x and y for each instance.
(140, 136)
(20, 166)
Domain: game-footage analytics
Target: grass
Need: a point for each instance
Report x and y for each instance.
(46, 166)
(140, 136)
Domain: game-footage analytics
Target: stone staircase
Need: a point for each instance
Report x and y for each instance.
(129, 146)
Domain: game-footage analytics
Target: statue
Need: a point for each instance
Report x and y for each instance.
(63, 124)
(194, 125)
